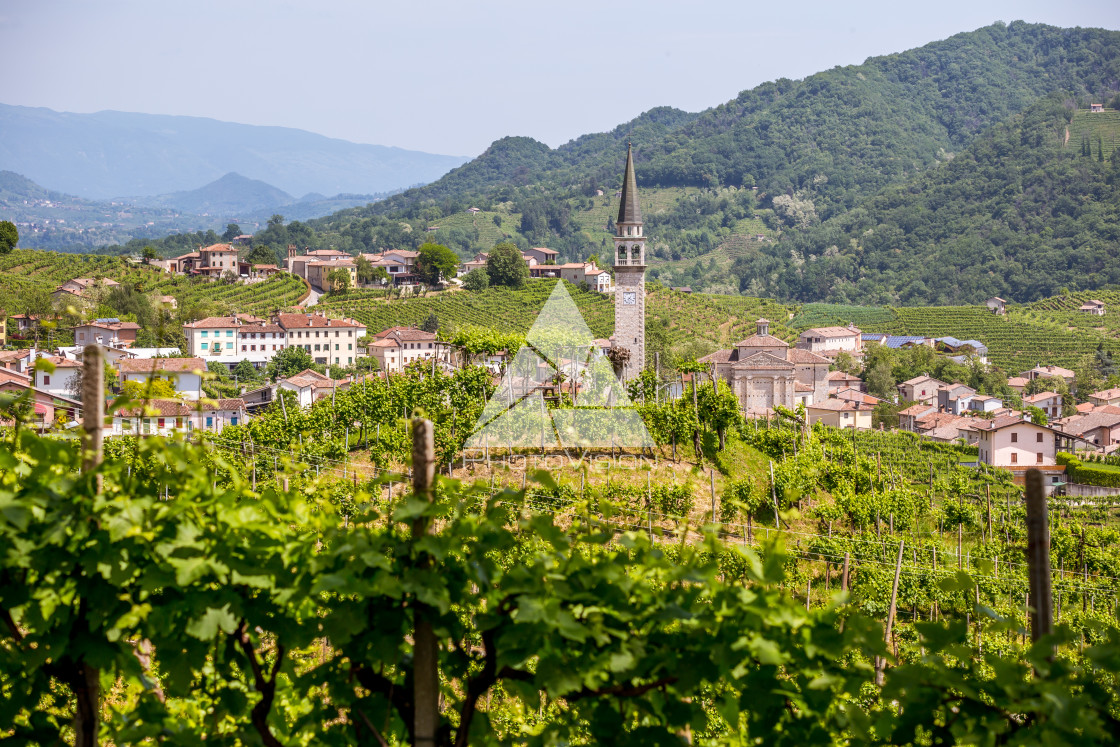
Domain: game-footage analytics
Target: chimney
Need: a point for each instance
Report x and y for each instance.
(762, 327)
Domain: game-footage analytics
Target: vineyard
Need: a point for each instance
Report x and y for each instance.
(1062, 311)
(30, 274)
(1045, 332)
(728, 592)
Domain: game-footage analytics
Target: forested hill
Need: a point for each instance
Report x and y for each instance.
(1023, 212)
(848, 131)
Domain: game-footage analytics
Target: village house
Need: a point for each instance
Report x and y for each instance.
(329, 341)
(851, 394)
(997, 305)
(955, 398)
(47, 409)
(309, 386)
(1049, 402)
(841, 413)
(62, 381)
(1052, 372)
(110, 332)
(985, 403)
(214, 339)
(167, 417)
(763, 370)
(260, 341)
(317, 273)
(218, 259)
(963, 350)
(1105, 397)
(839, 380)
(400, 264)
(1092, 307)
(920, 389)
(946, 427)
(822, 340)
(412, 345)
(297, 263)
(1018, 383)
(1015, 444)
(1098, 430)
(185, 374)
(17, 361)
(909, 417)
(542, 255)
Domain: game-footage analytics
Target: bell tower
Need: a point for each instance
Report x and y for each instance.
(630, 275)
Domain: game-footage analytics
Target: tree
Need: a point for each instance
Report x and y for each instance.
(9, 236)
(245, 372)
(880, 380)
(845, 362)
(289, 362)
(339, 279)
(149, 254)
(152, 388)
(506, 266)
(233, 231)
(435, 262)
(276, 221)
(261, 254)
(431, 324)
(369, 273)
(477, 279)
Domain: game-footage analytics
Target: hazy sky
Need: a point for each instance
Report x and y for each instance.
(451, 77)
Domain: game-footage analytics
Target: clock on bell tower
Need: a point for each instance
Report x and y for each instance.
(630, 275)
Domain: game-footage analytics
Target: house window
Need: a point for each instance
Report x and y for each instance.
(1038, 438)
(160, 423)
(46, 380)
(350, 346)
(205, 334)
(1014, 458)
(229, 333)
(205, 345)
(209, 421)
(243, 347)
(1014, 438)
(1038, 458)
(229, 346)
(336, 346)
(233, 420)
(349, 361)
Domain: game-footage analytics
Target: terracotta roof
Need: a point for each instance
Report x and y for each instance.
(173, 408)
(109, 325)
(385, 342)
(219, 248)
(1017, 381)
(309, 378)
(799, 387)
(796, 355)
(212, 322)
(1107, 393)
(1079, 424)
(408, 334)
(916, 410)
(260, 327)
(60, 362)
(1039, 397)
(830, 332)
(327, 253)
(6, 375)
(304, 321)
(544, 249)
(406, 253)
(1003, 421)
(841, 376)
(921, 379)
(840, 405)
(762, 341)
(188, 255)
(161, 365)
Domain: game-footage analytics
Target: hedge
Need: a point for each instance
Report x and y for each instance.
(1090, 474)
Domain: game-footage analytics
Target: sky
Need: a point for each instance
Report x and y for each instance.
(452, 77)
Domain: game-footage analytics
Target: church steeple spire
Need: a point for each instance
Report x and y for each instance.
(629, 208)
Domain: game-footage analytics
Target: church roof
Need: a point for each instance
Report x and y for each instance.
(762, 341)
(764, 360)
(629, 208)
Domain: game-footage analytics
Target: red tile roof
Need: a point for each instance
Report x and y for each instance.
(161, 365)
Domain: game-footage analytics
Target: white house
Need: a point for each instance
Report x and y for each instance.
(920, 389)
(414, 345)
(997, 305)
(1092, 307)
(1015, 444)
(214, 338)
(308, 386)
(61, 381)
(822, 339)
(185, 374)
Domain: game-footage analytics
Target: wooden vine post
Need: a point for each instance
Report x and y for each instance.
(880, 662)
(1038, 556)
(85, 679)
(425, 650)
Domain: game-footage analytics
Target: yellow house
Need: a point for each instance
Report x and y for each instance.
(317, 273)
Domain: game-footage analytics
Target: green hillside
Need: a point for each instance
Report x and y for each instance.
(1099, 132)
(27, 278)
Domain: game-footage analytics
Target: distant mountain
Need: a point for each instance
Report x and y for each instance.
(231, 195)
(107, 154)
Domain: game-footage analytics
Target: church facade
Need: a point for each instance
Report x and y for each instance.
(764, 371)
